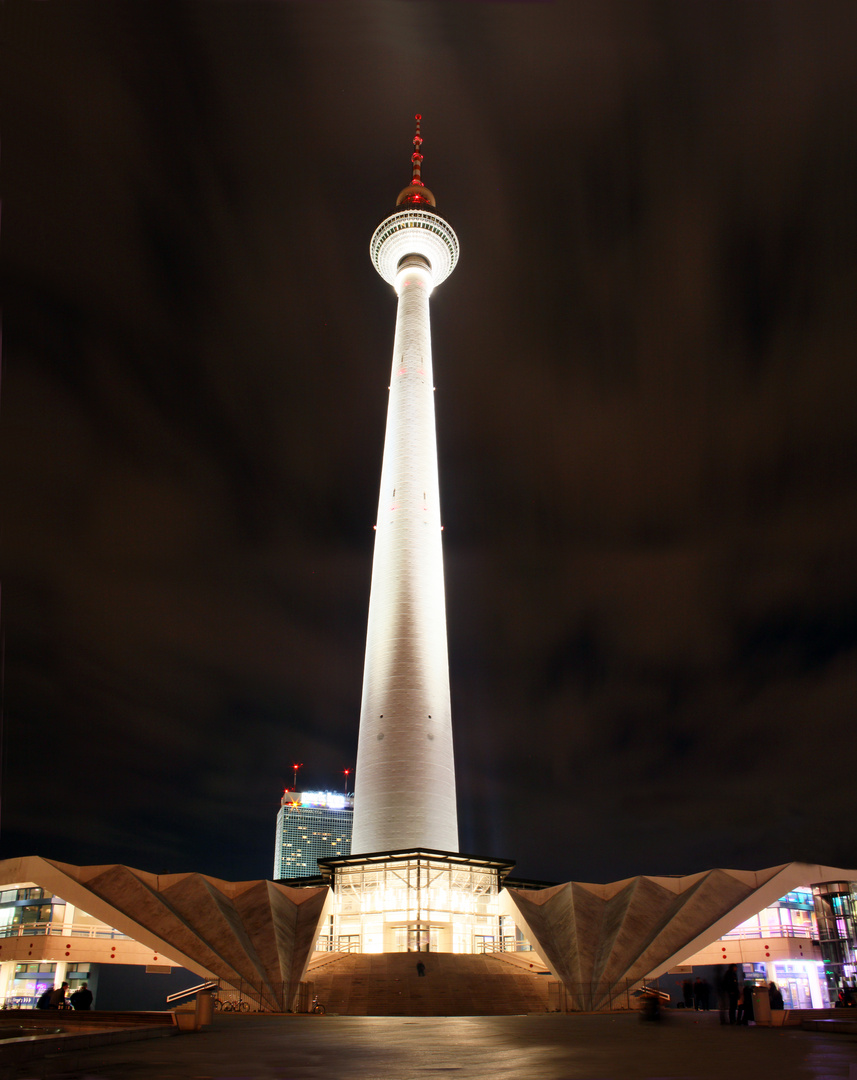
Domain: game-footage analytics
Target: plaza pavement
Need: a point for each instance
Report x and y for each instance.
(551, 1047)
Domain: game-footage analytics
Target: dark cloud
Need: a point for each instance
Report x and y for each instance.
(645, 406)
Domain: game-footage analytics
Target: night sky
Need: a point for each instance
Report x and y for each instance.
(646, 393)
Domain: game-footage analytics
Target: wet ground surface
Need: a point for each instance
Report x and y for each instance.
(576, 1047)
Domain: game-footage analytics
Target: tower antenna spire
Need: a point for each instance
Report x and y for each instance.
(417, 157)
(416, 193)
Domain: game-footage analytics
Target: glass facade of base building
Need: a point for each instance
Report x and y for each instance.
(311, 825)
(417, 902)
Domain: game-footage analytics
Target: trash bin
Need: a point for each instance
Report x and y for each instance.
(761, 1006)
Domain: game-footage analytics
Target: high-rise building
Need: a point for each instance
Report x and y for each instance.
(311, 825)
(405, 778)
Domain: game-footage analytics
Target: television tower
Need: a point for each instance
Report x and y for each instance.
(405, 777)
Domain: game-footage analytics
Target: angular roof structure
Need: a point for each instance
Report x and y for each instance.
(255, 934)
(596, 939)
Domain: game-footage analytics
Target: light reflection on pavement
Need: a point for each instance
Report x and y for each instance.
(551, 1047)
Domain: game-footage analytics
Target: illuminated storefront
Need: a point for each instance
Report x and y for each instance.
(790, 917)
(804, 942)
(31, 912)
(45, 940)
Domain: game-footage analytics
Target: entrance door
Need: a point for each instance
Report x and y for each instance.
(796, 992)
(417, 937)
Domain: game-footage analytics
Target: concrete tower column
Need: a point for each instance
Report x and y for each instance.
(405, 778)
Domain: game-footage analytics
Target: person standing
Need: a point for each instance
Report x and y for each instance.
(58, 996)
(82, 998)
(730, 990)
(745, 1008)
(687, 993)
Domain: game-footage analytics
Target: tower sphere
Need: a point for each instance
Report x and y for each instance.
(416, 193)
(414, 231)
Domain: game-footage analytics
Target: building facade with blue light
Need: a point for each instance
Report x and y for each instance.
(311, 825)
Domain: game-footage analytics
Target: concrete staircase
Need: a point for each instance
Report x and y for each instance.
(387, 984)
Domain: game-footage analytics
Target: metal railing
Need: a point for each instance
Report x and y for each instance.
(51, 929)
(212, 984)
(504, 946)
(754, 933)
(325, 944)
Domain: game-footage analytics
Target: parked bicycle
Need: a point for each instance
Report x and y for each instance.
(237, 1005)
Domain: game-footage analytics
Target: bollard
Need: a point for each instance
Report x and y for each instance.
(185, 1016)
(204, 1008)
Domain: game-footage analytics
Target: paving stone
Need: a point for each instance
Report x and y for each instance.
(550, 1047)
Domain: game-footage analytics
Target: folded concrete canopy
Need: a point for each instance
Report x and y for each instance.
(260, 935)
(254, 934)
(600, 938)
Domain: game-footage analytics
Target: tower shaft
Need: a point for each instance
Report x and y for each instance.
(405, 778)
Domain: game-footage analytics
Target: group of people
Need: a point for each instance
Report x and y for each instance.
(697, 995)
(55, 998)
(736, 1001)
